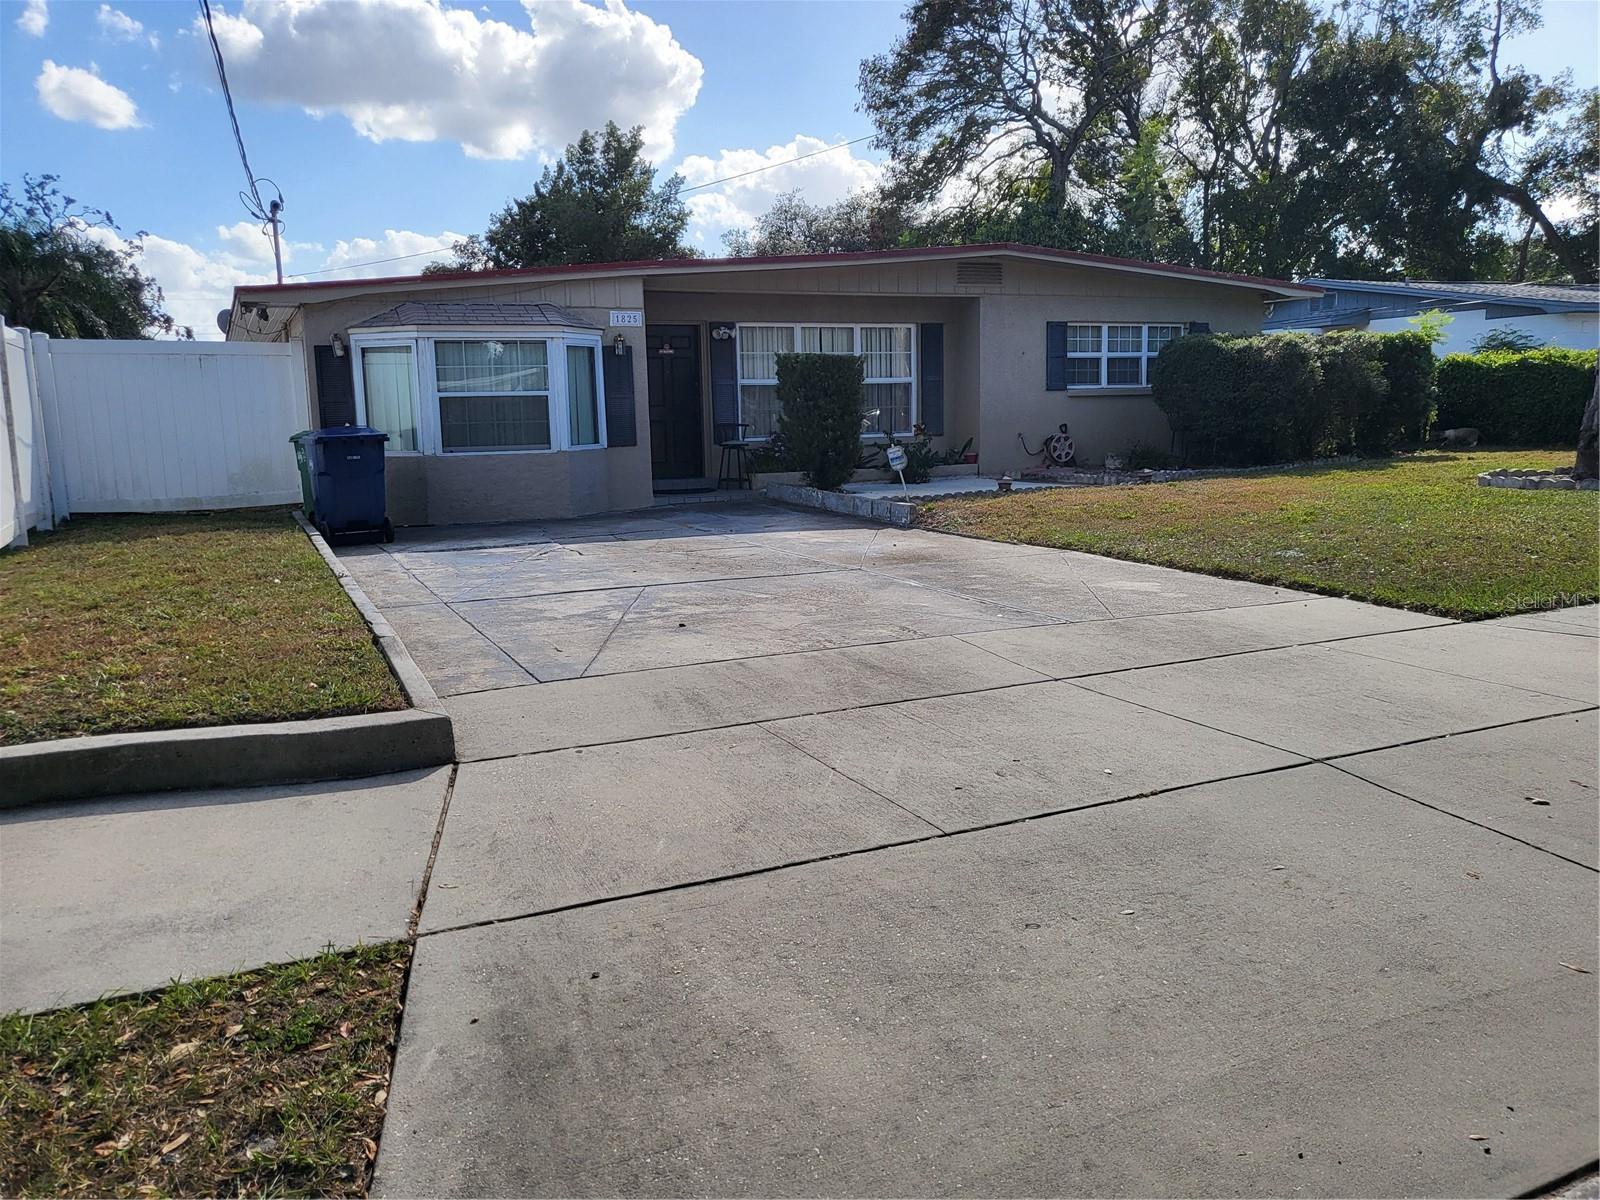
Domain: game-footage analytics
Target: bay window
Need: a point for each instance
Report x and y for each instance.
(1111, 355)
(472, 393)
(888, 362)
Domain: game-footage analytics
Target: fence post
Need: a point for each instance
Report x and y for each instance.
(44, 369)
(33, 344)
(19, 503)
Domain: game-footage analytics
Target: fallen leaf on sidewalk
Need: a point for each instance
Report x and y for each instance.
(1477, 1137)
(1578, 969)
(1537, 800)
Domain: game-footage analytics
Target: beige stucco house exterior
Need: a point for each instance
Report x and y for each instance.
(560, 391)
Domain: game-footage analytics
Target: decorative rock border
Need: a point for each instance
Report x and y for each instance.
(1530, 478)
(1085, 477)
(245, 755)
(893, 512)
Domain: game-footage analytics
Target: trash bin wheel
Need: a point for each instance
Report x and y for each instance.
(388, 530)
(325, 530)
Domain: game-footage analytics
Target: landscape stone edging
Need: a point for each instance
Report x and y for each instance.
(1532, 478)
(892, 512)
(309, 751)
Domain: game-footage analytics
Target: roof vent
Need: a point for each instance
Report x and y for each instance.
(979, 273)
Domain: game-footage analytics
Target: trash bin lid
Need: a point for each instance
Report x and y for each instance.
(303, 435)
(348, 431)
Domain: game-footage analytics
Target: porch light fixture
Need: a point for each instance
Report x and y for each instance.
(338, 346)
(619, 345)
(721, 333)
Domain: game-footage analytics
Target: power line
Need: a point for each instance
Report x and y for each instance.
(376, 262)
(770, 166)
(265, 211)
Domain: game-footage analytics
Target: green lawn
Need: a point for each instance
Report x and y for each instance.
(268, 1083)
(154, 622)
(1414, 532)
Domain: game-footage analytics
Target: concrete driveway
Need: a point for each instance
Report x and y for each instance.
(789, 856)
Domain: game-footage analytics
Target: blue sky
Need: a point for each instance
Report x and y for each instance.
(392, 126)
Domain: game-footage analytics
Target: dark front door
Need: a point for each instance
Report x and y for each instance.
(673, 353)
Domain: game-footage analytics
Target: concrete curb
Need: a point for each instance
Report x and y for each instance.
(245, 755)
(892, 512)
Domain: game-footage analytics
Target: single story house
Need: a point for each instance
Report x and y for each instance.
(1553, 314)
(560, 391)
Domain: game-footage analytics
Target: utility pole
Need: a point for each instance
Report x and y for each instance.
(273, 209)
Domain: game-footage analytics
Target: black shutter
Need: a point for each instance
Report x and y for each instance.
(724, 375)
(622, 427)
(1055, 356)
(336, 387)
(930, 361)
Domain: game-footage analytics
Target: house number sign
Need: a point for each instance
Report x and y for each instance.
(631, 317)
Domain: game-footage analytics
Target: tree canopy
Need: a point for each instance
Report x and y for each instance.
(57, 278)
(1369, 139)
(599, 203)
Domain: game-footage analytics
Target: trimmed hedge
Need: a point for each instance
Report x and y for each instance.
(1517, 398)
(820, 398)
(1247, 401)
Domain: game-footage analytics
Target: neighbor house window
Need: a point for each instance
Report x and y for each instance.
(1114, 356)
(887, 358)
(493, 395)
(461, 393)
(390, 379)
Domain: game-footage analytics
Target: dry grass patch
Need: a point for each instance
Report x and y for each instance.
(156, 622)
(1412, 532)
(271, 1082)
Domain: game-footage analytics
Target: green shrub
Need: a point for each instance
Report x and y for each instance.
(1247, 401)
(1140, 456)
(820, 399)
(1529, 398)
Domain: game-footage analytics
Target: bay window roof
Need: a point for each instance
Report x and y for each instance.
(465, 315)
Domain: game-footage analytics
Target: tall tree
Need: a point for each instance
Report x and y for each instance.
(863, 220)
(599, 203)
(56, 278)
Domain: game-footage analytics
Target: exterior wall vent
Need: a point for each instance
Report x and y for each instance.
(979, 273)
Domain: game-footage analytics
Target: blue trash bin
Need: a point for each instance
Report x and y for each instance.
(347, 477)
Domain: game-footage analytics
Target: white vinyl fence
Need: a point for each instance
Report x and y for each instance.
(146, 426)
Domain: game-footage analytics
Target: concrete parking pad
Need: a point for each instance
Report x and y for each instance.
(1497, 778)
(739, 618)
(963, 761)
(537, 832)
(1583, 619)
(1232, 989)
(1085, 648)
(125, 894)
(451, 653)
(1319, 701)
(614, 708)
(1525, 658)
(552, 637)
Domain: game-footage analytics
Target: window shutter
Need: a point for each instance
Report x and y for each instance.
(336, 387)
(1055, 356)
(930, 362)
(724, 376)
(622, 426)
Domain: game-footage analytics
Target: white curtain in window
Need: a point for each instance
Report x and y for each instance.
(389, 384)
(887, 351)
(492, 366)
(583, 398)
(759, 347)
(828, 339)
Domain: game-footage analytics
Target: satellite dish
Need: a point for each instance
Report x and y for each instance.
(224, 319)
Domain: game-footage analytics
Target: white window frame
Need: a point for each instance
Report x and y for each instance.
(1105, 353)
(855, 340)
(425, 382)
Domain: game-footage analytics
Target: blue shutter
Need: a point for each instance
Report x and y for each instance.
(1055, 356)
(336, 386)
(930, 363)
(622, 428)
(724, 376)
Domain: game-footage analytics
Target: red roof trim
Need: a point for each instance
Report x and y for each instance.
(706, 264)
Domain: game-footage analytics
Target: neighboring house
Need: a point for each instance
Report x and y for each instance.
(558, 391)
(1555, 314)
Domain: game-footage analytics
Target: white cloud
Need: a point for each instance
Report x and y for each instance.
(430, 73)
(35, 18)
(74, 94)
(119, 26)
(821, 179)
(418, 249)
(246, 244)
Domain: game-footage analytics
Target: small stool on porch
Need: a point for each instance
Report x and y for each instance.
(729, 437)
